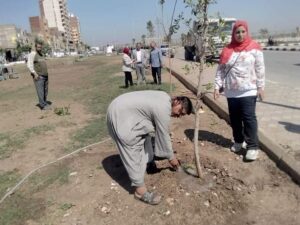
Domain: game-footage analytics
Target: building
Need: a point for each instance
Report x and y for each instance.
(56, 14)
(75, 30)
(39, 28)
(11, 38)
(8, 36)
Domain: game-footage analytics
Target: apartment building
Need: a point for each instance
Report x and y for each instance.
(75, 29)
(39, 27)
(56, 14)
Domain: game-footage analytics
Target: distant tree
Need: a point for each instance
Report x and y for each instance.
(298, 31)
(264, 32)
(133, 41)
(174, 25)
(150, 28)
(143, 37)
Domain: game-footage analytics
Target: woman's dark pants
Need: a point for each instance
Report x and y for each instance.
(128, 79)
(243, 120)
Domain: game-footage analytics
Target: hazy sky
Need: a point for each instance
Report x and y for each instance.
(118, 21)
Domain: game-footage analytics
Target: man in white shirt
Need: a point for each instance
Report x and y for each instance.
(140, 58)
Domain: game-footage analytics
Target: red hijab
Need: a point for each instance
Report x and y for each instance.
(247, 45)
(126, 51)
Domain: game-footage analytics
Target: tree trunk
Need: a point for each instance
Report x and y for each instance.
(201, 45)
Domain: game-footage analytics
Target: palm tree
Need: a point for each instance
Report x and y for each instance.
(150, 28)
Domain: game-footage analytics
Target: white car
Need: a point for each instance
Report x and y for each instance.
(167, 51)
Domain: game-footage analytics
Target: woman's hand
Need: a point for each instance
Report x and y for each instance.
(216, 94)
(261, 94)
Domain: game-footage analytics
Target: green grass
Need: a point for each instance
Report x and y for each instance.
(103, 88)
(97, 91)
(19, 209)
(7, 180)
(23, 206)
(58, 174)
(66, 206)
(13, 142)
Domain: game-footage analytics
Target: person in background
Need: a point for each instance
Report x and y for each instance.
(242, 71)
(140, 58)
(38, 68)
(156, 62)
(127, 63)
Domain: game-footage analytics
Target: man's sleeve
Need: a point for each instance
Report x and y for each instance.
(163, 144)
(160, 57)
(30, 62)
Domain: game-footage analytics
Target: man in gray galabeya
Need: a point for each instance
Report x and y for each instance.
(132, 119)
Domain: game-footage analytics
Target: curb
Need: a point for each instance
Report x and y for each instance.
(292, 49)
(274, 151)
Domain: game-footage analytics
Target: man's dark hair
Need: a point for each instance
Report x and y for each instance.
(186, 104)
(38, 42)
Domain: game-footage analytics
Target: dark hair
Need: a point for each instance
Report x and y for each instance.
(186, 104)
(38, 43)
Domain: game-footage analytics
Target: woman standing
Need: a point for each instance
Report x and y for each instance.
(127, 62)
(242, 71)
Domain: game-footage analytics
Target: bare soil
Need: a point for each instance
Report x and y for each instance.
(98, 190)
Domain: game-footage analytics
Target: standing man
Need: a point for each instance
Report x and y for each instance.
(132, 119)
(156, 63)
(38, 69)
(140, 58)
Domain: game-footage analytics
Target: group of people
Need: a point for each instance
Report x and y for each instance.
(133, 118)
(140, 60)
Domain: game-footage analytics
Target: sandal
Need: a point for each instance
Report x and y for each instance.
(149, 198)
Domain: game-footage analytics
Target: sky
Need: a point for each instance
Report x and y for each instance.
(119, 21)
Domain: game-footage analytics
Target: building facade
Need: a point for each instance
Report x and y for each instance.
(56, 14)
(75, 30)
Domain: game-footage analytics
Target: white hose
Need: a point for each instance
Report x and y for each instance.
(47, 164)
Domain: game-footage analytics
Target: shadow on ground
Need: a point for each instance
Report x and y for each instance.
(291, 127)
(115, 169)
(210, 137)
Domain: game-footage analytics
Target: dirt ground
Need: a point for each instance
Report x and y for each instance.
(98, 190)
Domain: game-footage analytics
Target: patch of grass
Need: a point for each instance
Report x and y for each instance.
(9, 143)
(66, 123)
(66, 206)
(13, 142)
(22, 206)
(62, 111)
(18, 209)
(37, 130)
(7, 180)
(23, 93)
(93, 132)
(55, 174)
(103, 87)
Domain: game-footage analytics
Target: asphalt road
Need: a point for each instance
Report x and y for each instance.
(283, 67)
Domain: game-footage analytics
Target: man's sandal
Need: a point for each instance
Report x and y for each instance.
(149, 198)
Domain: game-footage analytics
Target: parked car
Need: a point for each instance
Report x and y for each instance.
(167, 51)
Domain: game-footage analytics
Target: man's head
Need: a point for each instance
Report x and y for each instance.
(138, 46)
(39, 46)
(181, 105)
(152, 44)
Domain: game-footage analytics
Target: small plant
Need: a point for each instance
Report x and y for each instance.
(186, 69)
(62, 111)
(66, 206)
